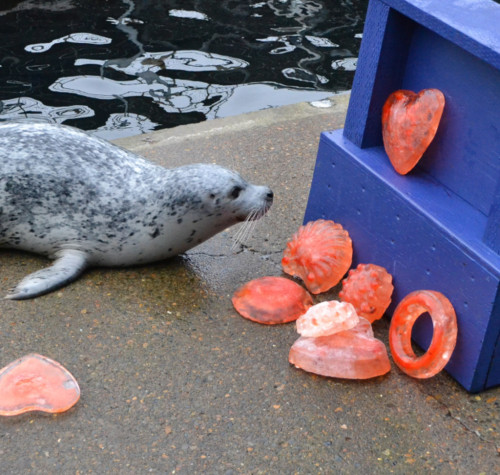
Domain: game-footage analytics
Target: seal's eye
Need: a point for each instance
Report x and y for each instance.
(235, 192)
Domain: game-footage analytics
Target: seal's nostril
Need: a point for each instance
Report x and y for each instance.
(270, 195)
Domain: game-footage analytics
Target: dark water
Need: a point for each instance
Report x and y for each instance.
(122, 67)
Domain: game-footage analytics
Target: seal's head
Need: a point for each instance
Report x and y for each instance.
(225, 194)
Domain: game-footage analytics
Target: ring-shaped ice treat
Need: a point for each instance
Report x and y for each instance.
(443, 341)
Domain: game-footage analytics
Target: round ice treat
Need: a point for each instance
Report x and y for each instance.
(368, 288)
(443, 340)
(351, 354)
(271, 300)
(36, 383)
(327, 318)
(320, 253)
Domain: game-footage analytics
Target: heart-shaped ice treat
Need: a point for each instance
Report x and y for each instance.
(409, 123)
(36, 383)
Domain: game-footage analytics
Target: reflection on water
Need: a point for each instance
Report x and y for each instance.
(177, 60)
(26, 107)
(176, 96)
(346, 64)
(124, 125)
(83, 38)
(188, 14)
(135, 66)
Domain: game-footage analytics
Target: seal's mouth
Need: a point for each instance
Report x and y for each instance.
(258, 213)
(254, 215)
(249, 223)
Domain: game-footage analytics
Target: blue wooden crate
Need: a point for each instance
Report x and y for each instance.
(438, 227)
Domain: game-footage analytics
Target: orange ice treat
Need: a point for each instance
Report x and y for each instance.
(409, 123)
(36, 383)
(351, 354)
(369, 289)
(327, 318)
(320, 253)
(271, 300)
(443, 341)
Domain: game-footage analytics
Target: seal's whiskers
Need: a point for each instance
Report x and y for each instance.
(247, 228)
(244, 231)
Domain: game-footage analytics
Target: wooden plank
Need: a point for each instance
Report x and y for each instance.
(384, 47)
(472, 25)
(492, 234)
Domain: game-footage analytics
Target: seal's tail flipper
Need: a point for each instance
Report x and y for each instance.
(68, 265)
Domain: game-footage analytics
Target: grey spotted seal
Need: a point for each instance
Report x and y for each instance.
(84, 202)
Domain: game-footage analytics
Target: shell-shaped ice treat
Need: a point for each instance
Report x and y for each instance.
(327, 318)
(320, 253)
(369, 289)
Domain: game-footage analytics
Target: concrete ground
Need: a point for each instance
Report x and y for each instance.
(174, 381)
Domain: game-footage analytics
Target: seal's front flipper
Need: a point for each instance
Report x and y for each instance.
(68, 265)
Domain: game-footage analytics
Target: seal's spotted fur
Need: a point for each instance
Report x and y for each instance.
(85, 202)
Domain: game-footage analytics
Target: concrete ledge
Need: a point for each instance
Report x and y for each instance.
(173, 380)
(239, 123)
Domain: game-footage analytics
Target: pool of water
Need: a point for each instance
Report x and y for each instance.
(124, 67)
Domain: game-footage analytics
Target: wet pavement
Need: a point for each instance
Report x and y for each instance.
(174, 381)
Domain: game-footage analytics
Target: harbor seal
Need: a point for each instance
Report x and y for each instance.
(84, 202)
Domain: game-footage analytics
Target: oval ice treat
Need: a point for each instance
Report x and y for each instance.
(320, 253)
(444, 339)
(36, 383)
(271, 300)
(327, 318)
(351, 354)
(369, 289)
(409, 124)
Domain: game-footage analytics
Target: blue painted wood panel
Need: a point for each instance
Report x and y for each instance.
(465, 154)
(472, 25)
(426, 237)
(439, 226)
(492, 233)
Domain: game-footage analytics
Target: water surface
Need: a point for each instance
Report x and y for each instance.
(123, 67)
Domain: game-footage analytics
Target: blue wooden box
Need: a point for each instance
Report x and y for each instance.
(439, 226)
